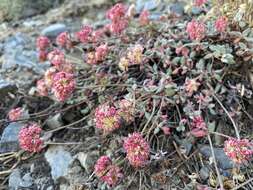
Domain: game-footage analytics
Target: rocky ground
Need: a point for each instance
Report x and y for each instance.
(68, 166)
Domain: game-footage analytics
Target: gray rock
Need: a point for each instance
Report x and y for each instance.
(223, 161)
(27, 181)
(6, 87)
(16, 181)
(9, 139)
(55, 121)
(204, 173)
(54, 30)
(59, 161)
(177, 8)
(196, 10)
(146, 5)
(88, 160)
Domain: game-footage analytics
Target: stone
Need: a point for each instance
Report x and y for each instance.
(146, 5)
(223, 161)
(59, 161)
(88, 160)
(54, 121)
(9, 138)
(54, 30)
(204, 173)
(16, 181)
(177, 8)
(6, 87)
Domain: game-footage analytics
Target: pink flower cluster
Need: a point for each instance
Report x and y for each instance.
(99, 55)
(63, 40)
(144, 18)
(238, 150)
(196, 30)
(56, 57)
(117, 15)
(15, 114)
(191, 86)
(63, 85)
(198, 127)
(199, 3)
(42, 87)
(107, 172)
(42, 44)
(137, 150)
(84, 34)
(126, 110)
(221, 24)
(107, 118)
(29, 138)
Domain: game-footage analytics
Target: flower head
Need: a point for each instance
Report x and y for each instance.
(124, 64)
(137, 150)
(42, 42)
(107, 118)
(198, 127)
(63, 85)
(101, 52)
(196, 30)
(144, 18)
(15, 114)
(116, 12)
(238, 150)
(63, 40)
(42, 87)
(199, 3)
(29, 138)
(191, 86)
(84, 34)
(48, 76)
(56, 57)
(42, 55)
(221, 24)
(107, 172)
(135, 55)
(126, 110)
(118, 27)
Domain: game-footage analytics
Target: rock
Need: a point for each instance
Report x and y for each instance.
(223, 161)
(88, 160)
(16, 181)
(9, 139)
(17, 9)
(55, 121)
(59, 161)
(6, 87)
(146, 5)
(204, 173)
(27, 181)
(186, 147)
(54, 30)
(177, 8)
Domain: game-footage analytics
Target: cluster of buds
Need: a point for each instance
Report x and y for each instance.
(134, 57)
(144, 18)
(238, 150)
(199, 3)
(107, 118)
(137, 150)
(63, 40)
(42, 88)
(221, 24)
(126, 110)
(84, 34)
(198, 127)
(56, 58)
(63, 85)
(107, 172)
(191, 86)
(43, 44)
(15, 114)
(117, 15)
(196, 30)
(29, 138)
(99, 55)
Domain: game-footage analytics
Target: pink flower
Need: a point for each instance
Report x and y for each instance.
(63, 40)
(118, 27)
(199, 3)
(191, 86)
(56, 57)
(107, 172)
(182, 50)
(238, 150)
(29, 138)
(107, 118)
(196, 30)
(42, 43)
(48, 76)
(144, 18)
(42, 55)
(91, 58)
(97, 34)
(221, 24)
(116, 12)
(63, 85)
(42, 87)
(84, 34)
(198, 127)
(101, 52)
(15, 114)
(126, 110)
(137, 150)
